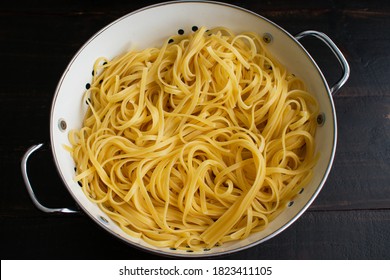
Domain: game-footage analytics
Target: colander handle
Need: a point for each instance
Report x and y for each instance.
(30, 190)
(340, 57)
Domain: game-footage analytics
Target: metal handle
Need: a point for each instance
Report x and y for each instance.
(340, 57)
(45, 209)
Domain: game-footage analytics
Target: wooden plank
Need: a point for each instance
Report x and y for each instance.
(366, 48)
(330, 235)
(316, 235)
(90, 6)
(362, 164)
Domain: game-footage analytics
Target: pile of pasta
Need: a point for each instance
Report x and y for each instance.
(196, 143)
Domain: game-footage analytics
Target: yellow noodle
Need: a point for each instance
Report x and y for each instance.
(199, 142)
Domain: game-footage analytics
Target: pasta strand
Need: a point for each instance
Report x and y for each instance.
(199, 142)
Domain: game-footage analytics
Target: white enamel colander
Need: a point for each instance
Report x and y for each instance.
(149, 27)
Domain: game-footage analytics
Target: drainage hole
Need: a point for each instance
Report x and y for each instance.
(321, 119)
(62, 125)
(267, 38)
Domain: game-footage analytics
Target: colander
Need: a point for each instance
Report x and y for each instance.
(149, 27)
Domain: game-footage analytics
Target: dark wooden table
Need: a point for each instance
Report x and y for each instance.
(349, 220)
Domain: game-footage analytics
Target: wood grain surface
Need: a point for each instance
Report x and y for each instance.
(350, 219)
